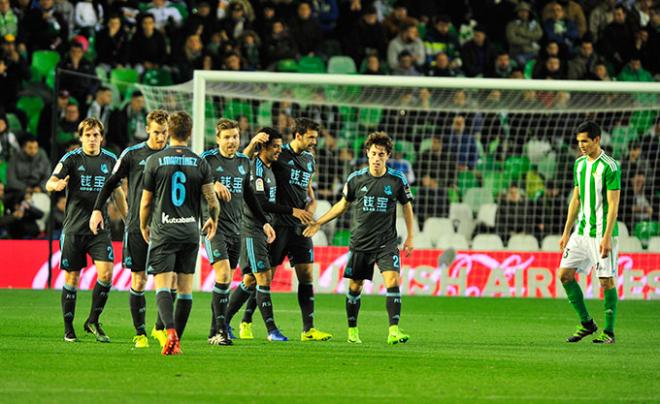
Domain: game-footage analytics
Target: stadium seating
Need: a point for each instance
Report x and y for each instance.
(341, 238)
(157, 77)
(123, 78)
(645, 230)
(550, 243)
(14, 123)
(630, 244)
(43, 62)
(341, 65)
(455, 241)
(623, 230)
(320, 239)
(32, 106)
(463, 214)
(477, 197)
(287, 66)
(311, 64)
(488, 242)
(487, 214)
(654, 244)
(423, 241)
(522, 242)
(41, 201)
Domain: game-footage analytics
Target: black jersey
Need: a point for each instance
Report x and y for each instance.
(131, 165)
(87, 175)
(374, 201)
(176, 175)
(233, 173)
(263, 181)
(294, 173)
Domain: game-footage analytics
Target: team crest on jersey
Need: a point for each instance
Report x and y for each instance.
(104, 168)
(241, 170)
(388, 189)
(259, 185)
(309, 166)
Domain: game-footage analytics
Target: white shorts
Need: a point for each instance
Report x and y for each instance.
(582, 253)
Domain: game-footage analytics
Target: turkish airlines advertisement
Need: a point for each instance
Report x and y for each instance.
(24, 265)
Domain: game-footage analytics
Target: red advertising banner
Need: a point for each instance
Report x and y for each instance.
(23, 264)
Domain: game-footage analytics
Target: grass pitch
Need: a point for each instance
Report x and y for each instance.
(461, 349)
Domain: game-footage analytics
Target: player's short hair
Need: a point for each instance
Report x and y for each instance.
(272, 133)
(379, 139)
(302, 125)
(159, 116)
(591, 128)
(180, 126)
(102, 89)
(225, 124)
(90, 123)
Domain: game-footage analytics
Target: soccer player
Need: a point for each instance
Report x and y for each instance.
(294, 170)
(174, 181)
(231, 172)
(82, 173)
(131, 165)
(594, 241)
(374, 192)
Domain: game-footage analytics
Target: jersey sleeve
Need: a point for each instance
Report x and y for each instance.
(149, 179)
(575, 176)
(207, 175)
(348, 191)
(613, 177)
(404, 194)
(63, 168)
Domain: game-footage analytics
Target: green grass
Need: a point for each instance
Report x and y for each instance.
(477, 349)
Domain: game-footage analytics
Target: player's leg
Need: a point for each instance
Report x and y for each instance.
(134, 256)
(100, 249)
(576, 258)
(219, 301)
(265, 304)
(606, 270)
(389, 263)
(184, 268)
(68, 301)
(353, 309)
(162, 283)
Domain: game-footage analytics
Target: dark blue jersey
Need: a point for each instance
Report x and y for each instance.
(294, 173)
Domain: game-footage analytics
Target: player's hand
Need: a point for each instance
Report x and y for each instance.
(605, 247)
(210, 227)
(259, 138)
(269, 232)
(61, 184)
(222, 191)
(304, 216)
(408, 246)
(146, 234)
(96, 222)
(562, 243)
(311, 230)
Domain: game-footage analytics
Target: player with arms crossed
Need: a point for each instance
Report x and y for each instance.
(374, 192)
(294, 170)
(131, 165)
(174, 181)
(231, 172)
(597, 179)
(83, 173)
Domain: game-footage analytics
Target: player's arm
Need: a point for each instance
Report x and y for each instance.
(311, 204)
(251, 149)
(211, 225)
(145, 212)
(255, 207)
(409, 218)
(337, 210)
(613, 184)
(60, 177)
(119, 198)
(109, 187)
(573, 209)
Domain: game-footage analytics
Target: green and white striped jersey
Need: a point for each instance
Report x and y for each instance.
(594, 179)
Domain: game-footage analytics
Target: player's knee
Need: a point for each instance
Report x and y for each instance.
(249, 281)
(304, 273)
(607, 283)
(138, 281)
(566, 275)
(355, 286)
(71, 278)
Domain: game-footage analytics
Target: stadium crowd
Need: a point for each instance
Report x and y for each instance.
(163, 42)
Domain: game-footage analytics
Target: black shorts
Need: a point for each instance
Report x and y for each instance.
(290, 242)
(223, 248)
(172, 257)
(360, 265)
(254, 253)
(74, 249)
(134, 253)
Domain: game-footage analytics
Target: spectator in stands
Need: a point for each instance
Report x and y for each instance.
(502, 67)
(13, 69)
(88, 17)
(617, 40)
(112, 44)
(400, 162)
(559, 28)
(128, 10)
(462, 144)
(651, 143)
(80, 86)
(190, 58)
(45, 28)
(306, 30)
(551, 70)
(441, 39)
(321, 111)
(329, 167)
(601, 16)
(548, 208)
(164, 15)
(572, 10)
(477, 54)
(397, 19)
(523, 35)
(372, 66)
(45, 119)
(514, 213)
(67, 127)
(367, 37)
(233, 62)
(406, 66)
(147, 49)
(600, 73)
(29, 169)
(58, 215)
(3, 211)
(265, 19)
(8, 142)
(68, 12)
(20, 217)
(635, 163)
(642, 46)
(236, 24)
(435, 166)
(584, 62)
(441, 67)
(636, 201)
(203, 17)
(633, 71)
(8, 20)
(641, 12)
(249, 48)
(654, 40)
(279, 45)
(408, 39)
(327, 12)
(128, 125)
(101, 106)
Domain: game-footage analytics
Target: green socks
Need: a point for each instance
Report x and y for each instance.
(576, 298)
(611, 297)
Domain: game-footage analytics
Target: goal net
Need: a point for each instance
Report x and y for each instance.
(490, 163)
